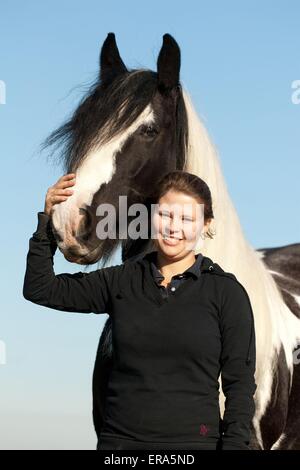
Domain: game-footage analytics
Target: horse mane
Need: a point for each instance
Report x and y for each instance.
(105, 112)
(275, 325)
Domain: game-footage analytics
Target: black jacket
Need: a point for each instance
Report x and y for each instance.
(168, 353)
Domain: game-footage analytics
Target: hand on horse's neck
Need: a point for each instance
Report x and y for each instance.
(169, 269)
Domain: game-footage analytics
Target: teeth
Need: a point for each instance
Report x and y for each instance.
(171, 238)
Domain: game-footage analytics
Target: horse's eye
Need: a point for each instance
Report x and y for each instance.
(149, 131)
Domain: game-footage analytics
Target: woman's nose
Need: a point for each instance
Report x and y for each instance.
(175, 225)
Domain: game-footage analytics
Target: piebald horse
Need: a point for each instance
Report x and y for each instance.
(132, 127)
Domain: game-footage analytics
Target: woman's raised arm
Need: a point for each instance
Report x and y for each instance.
(79, 292)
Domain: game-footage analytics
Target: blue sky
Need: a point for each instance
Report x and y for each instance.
(239, 60)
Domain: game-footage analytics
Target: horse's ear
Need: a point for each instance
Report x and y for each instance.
(111, 64)
(168, 64)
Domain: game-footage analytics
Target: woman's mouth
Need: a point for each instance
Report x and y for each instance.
(171, 241)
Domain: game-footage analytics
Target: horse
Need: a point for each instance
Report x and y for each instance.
(132, 127)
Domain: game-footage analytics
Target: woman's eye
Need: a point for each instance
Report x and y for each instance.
(164, 214)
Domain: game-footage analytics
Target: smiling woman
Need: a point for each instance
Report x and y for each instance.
(171, 340)
(184, 210)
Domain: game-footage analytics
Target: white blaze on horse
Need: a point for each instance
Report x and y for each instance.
(131, 128)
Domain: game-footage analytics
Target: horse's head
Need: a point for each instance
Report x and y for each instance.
(126, 133)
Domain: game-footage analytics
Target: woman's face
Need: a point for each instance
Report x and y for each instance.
(178, 221)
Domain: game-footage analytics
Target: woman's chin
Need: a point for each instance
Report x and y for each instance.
(171, 250)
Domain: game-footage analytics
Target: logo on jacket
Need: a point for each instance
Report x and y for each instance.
(204, 429)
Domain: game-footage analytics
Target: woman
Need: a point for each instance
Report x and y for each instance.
(178, 322)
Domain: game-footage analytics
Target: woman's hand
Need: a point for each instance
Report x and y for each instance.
(59, 192)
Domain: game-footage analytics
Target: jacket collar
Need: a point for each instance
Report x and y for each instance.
(194, 270)
(206, 264)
